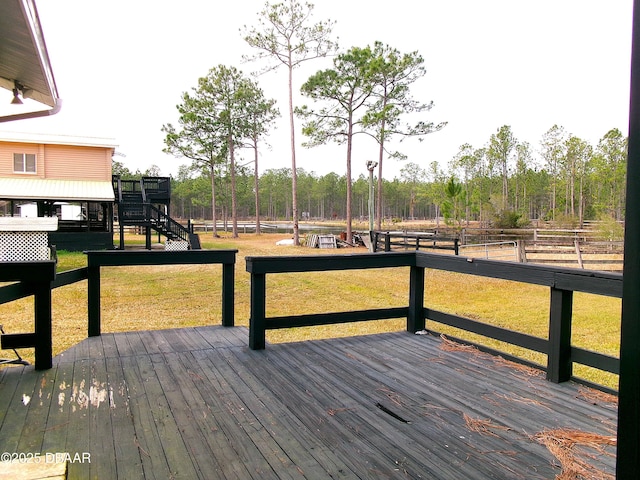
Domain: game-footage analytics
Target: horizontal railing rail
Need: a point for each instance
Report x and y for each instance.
(562, 282)
(588, 281)
(23, 289)
(319, 263)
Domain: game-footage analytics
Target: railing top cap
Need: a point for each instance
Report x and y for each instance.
(28, 224)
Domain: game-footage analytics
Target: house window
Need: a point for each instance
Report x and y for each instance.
(24, 163)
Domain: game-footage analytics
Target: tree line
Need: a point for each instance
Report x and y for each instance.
(563, 178)
(504, 183)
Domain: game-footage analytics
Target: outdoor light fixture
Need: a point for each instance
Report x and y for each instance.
(16, 97)
(17, 91)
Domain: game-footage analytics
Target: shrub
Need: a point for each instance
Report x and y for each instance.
(509, 219)
(609, 229)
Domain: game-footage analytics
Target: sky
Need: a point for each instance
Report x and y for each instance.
(121, 67)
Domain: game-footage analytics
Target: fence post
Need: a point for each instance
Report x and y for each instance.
(521, 251)
(559, 365)
(415, 319)
(576, 243)
(257, 322)
(387, 242)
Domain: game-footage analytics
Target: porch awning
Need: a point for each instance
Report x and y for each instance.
(56, 190)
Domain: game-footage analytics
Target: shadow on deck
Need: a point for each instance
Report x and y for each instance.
(198, 403)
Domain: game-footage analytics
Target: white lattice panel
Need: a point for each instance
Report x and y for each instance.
(24, 246)
(176, 245)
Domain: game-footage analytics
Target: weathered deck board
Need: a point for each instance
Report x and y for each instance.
(197, 403)
(57, 424)
(127, 455)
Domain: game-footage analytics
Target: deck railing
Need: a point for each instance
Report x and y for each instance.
(562, 282)
(111, 258)
(36, 278)
(39, 278)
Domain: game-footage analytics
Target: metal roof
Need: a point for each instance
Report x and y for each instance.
(56, 190)
(24, 58)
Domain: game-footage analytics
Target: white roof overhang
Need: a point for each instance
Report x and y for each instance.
(55, 139)
(56, 190)
(24, 60)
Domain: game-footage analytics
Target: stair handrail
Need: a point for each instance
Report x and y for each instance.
(142, 191)
(116, 179)
(169, 223)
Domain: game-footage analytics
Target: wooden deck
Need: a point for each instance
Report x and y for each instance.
(197, 403)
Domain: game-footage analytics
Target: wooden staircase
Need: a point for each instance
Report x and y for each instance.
(138, 203)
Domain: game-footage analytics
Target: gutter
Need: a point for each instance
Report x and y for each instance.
(39, 113)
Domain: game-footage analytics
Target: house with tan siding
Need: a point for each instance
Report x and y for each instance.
(62, 176)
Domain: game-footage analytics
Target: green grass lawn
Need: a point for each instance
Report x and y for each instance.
(141, 298)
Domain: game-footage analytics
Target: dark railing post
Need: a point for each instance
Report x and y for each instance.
(228, 297)
(35, 278)
(43, 342)
(456, 246)
(93, 299)
(415, 319)
(559, 365)
(628, 444)
(387, 242)
(257, 322)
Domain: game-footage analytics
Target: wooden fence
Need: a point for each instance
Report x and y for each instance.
(555, 248)
(389, 241)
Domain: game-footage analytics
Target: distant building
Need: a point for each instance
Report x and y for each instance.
(62, 176)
